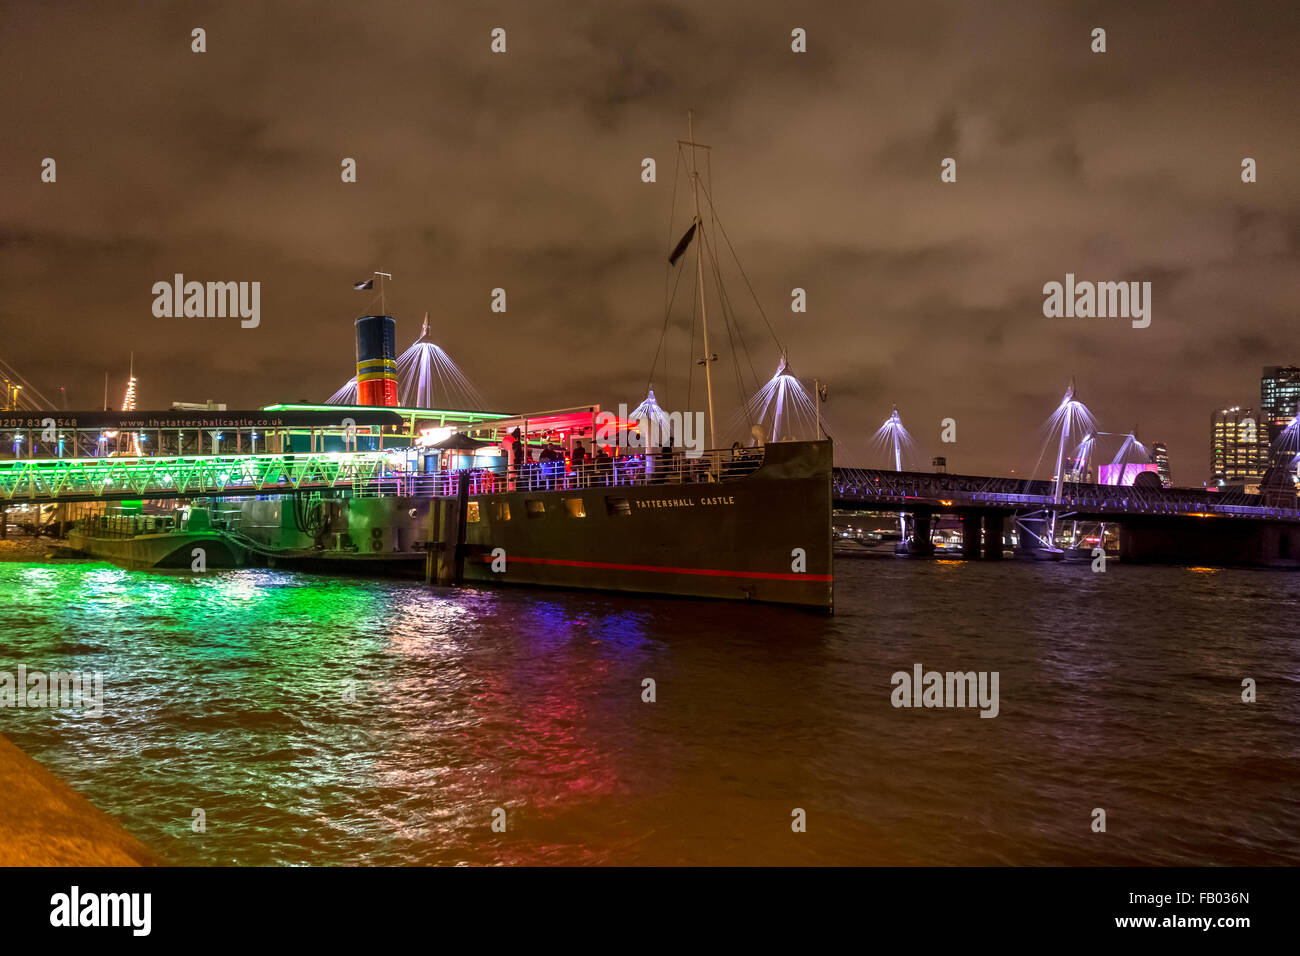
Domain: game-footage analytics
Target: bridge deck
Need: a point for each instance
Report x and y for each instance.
(877, 489)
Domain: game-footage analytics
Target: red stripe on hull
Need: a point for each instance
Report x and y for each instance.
(707, 572)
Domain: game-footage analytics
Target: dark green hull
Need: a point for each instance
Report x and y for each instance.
(764, 537)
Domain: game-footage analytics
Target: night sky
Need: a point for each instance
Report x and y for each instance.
(522, 170)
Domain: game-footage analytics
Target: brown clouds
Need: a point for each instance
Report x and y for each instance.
(522, 171)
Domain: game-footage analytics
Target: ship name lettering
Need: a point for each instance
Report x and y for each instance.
(686, 502)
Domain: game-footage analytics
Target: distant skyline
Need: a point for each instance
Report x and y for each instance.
(522, 170)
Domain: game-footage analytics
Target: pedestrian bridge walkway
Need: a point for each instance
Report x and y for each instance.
(877, 489)
(103, 479)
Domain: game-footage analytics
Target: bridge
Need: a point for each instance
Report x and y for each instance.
(942, 493)
(1155, 524)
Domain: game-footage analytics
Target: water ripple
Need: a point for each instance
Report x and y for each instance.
(338, 721)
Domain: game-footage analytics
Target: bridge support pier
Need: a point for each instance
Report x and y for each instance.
(970, 534)
(921, 543)
(993, 521)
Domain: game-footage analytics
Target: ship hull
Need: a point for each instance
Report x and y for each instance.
(404, 565)
(765, 537)
(168, 550)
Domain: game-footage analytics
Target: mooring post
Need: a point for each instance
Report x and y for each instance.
(447, 542)
(431, 542)
(462, 513)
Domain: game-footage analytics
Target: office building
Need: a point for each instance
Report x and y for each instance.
(1160, 455)
(1238, 446)
(1279, 393)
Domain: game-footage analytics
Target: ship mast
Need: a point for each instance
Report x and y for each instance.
(699, 266)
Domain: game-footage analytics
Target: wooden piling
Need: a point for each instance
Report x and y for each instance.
(445, 564)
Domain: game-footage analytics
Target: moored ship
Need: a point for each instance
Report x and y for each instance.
(157, 541)
(760, 532)
(548, 499)
(743, 523)
(748, 524)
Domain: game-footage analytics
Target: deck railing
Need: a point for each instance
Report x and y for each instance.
(358, 473)
(627, 470)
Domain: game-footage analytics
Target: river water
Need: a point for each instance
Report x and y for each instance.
(346, 721)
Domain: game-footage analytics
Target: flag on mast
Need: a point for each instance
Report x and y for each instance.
(682, 244)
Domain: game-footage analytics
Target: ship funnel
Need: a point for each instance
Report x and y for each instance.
(377, 360)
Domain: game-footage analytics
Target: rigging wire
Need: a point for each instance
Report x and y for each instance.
(765, 393)
(31, 394)
(669, 299)
(753, 372)
(726, 309)
(732, 327)
(745, 276)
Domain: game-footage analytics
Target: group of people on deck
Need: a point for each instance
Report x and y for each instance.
(549, 467)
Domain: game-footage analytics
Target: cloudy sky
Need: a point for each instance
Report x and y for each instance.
(522, 171)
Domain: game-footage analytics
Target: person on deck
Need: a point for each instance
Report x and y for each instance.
(516, 456)
(579, 465)
(547, 461)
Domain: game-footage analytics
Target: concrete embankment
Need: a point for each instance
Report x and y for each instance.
(28, 549)
(44, 822)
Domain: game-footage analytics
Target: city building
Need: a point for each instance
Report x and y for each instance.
(1076, 469)
(1279, 393)
(1238, 447)
(11, 390)
(1160, 455)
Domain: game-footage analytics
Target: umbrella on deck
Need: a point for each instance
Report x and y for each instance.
(458, 442)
